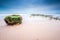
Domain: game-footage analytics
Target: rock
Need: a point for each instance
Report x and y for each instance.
(13, 19)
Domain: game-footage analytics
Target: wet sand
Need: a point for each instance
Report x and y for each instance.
(32, 28)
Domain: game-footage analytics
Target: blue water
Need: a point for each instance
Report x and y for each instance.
(29, 6)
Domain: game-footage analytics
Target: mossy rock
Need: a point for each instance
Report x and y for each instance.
(13, 19)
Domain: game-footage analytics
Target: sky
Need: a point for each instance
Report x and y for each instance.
(29, 6)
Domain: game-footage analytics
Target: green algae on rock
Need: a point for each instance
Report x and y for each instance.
(13, 19)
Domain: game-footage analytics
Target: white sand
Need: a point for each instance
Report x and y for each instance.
(32, 28)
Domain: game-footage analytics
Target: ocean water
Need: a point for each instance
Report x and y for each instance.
(50, 7)
(29, 6)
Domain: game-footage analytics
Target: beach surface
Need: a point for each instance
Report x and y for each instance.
(32, 28)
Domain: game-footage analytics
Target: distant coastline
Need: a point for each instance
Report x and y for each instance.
(50, 16)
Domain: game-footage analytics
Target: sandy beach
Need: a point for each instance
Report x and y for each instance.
(32, 28)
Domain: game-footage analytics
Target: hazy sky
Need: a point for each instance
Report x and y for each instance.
(29, 5)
